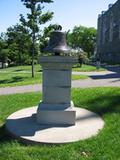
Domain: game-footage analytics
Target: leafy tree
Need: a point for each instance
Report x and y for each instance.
(18, 40)
(35, 18)
(3, 50)
(83, 37)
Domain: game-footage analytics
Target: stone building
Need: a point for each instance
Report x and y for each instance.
(108, 40)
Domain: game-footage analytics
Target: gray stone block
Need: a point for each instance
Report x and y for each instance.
(56, 117)
(58, 62)
(56, 94)
(56, 107)
(50, 106)
(56, 78)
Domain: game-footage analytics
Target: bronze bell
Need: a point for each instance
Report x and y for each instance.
(57, 43)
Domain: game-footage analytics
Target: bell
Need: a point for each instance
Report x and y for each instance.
(57, 43)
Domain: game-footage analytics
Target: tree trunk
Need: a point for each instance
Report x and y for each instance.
(33, 74)
(33, 53)
(20, 59)
(2, 65)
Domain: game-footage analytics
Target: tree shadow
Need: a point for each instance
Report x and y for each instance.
(4, 135)
(13, 80)
(115, 69)
(105, 104)
(107, 76)
(18, 70)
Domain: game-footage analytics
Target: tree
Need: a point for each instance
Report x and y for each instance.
(19, 42)
(3, 50)
(35, 18)
(83, 37)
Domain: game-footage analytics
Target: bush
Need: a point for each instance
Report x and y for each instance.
(81, 55)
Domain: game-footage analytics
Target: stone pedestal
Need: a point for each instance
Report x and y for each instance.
(56, 106)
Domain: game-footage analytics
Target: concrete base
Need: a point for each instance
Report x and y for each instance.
(57, 114)
(22, 124)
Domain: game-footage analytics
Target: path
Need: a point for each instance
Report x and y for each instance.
(97, 79)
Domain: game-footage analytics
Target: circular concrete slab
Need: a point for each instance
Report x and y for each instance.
(22, 124)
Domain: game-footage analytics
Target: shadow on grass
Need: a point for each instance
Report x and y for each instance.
(4, 136)
(104, 104)
(107, 76)
(40, 70)
(18, 70)
(13, 80)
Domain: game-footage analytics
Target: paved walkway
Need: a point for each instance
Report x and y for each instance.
(97, 79)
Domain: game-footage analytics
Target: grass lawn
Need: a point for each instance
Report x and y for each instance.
(104, 146)
(21, 69)
(87, 68)
(20, 79)
(84, 68)
(19, 76)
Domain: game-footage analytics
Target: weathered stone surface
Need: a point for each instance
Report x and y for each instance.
(57, 78)
(56, 107)
(58, 62)
(56, 94)
(56, 113)
(52, 107)
(56, 117)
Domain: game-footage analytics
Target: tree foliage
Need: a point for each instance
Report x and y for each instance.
(35, 18)
(19, 43)
(3, 49)
(83, 37)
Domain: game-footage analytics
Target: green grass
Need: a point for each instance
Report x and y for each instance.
(87, 68)
(21, 69)
(79, 77)
(84, 68)
(104, 146)
(19, 76)
(20, 79)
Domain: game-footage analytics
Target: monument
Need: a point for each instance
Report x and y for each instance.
(55, 120)
(57, 107)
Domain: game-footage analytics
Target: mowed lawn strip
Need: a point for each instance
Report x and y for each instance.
(87, 68)
(21, 79)
(105, 146)
(20, 76)
(27, 68)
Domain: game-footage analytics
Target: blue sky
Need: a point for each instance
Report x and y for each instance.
(68, 13)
